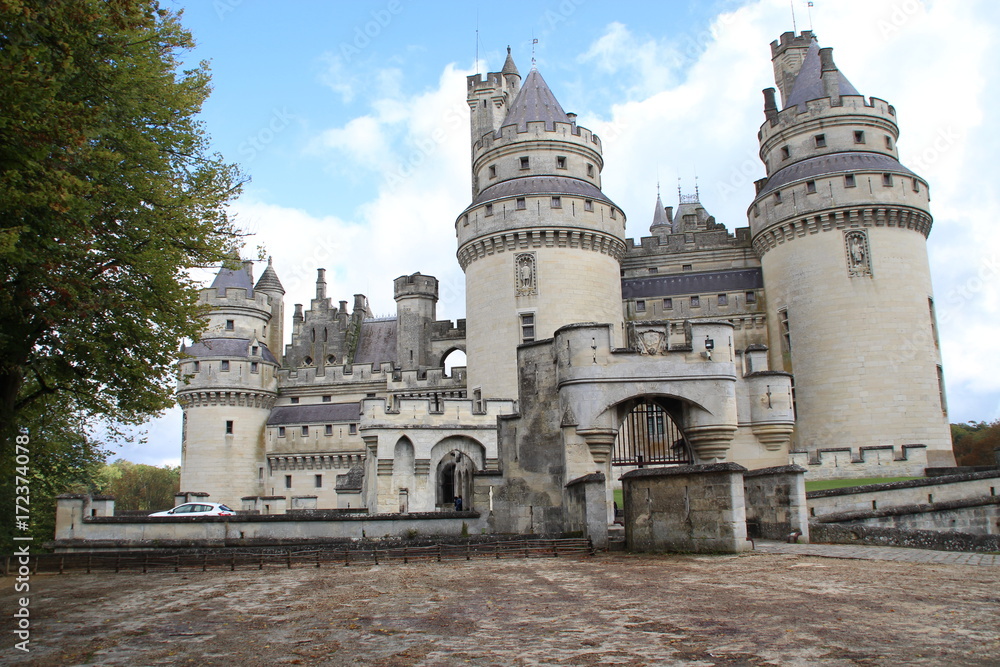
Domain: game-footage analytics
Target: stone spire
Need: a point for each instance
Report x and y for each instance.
(268, 281)
(508, 66)
(660, 214)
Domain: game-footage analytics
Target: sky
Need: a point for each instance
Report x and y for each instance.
(350, 120)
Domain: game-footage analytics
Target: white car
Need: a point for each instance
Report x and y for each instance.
(197, 509)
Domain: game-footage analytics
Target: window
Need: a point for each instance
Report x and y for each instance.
(281, 431)
(696, 302)
(810, 187)
(588, 204)
(294, 400)
(521, 204)
(560, 162)
(527, 327)
(934, 331)
(640, 306)
(524, 163)
(654, 270)
(751, 297)
(328, 429)
(786, 331)
(254, 367)
(849, 181)
(197, 366)
(785, 152)
(941, 394)
(859, 137)
(614, 213)
(916, 185)
(888, 142)
(288, 481)
(254, 351)
(590, 170)
(493, 171)
(465, 221)
(305, 431)
(230, 325)
(887, 180)
(686, 267)
(352, 429)
(224, 365)
(319, 481)
(820, 141)
(777, 197)
(557, 202)
(229, 427)
(668, 304)
(489, 209)
(723, 299)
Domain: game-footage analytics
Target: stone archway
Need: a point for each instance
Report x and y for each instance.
(454, 462)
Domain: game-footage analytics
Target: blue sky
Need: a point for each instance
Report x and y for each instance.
(350, 118)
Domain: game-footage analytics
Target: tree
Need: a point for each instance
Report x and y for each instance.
(973, 443)
(108, 196)
(136, 486)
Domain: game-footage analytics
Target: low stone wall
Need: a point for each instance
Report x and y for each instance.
(836, 533)
(585, 508)
(973, 516)
(775, 500)
(696, 508)
(864, 462)
(74, 532)
(911, 492)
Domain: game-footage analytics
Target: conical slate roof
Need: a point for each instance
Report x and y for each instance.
(269, 280)
(535, 102)
(508, 66)
(659, 215)
(240, 278)
(809, 81)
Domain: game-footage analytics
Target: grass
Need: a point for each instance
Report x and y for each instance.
(824, 484)
(620, 498)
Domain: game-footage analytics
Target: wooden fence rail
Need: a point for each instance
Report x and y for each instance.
(227, 559)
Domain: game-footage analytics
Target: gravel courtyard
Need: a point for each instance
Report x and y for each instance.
(752, 609)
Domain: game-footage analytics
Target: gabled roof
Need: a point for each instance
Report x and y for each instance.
(809, 81)
(269, 280)
(240, 278)
(535, 102)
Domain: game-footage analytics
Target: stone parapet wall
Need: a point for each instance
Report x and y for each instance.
(775, 500)
(862, 462)
(895, 537)
(913, 492)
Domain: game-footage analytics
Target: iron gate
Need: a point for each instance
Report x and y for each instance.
(649, 436)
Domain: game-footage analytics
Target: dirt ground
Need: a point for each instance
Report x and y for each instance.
(753, 609)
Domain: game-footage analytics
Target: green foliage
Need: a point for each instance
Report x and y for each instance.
(973, 443)
(108, 196)
(136, 486)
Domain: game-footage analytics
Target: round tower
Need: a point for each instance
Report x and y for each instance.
(540, 244)
(416, 300)
(227, 387)
(274, 331)
(840, 227)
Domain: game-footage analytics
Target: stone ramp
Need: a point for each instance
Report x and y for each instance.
(862, 552)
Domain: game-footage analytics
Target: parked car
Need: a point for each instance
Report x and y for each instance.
(197, 509)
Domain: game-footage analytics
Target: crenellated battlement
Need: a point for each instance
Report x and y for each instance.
(235, 297)
(484, 82)
(862, 462)
(309, 376)
(820, 112)
(536, 130)
(379, 413)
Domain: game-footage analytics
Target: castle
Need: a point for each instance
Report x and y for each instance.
(588, 353)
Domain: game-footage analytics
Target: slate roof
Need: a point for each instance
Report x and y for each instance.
(227, 347)
(508, 66)
(692, 283)
(824, 165)
(541, 185)
(316, 413)
(377, 342)
(269, 280)
(534, 102)
(660, 214)
(809, 82)
(227, 278)
(352, 480)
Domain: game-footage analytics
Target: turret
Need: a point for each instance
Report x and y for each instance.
(540, 243)
(840, 227)
(274, 334)
(416, 299)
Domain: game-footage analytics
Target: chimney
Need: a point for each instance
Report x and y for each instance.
(770, 104)
(830, 76)
(320, 284)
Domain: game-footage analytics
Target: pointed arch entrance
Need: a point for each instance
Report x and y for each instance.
(457, 460)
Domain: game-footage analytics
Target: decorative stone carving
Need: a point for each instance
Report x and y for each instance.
(525, 274)
(859, 261)
(651, 342)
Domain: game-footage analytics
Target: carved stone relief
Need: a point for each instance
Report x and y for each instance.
(525, 274)
(859, 261)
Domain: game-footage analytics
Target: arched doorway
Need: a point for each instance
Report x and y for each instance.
(454, 479)
(648, 435)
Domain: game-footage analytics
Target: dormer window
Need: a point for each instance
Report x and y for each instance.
(820, 141)
(254, 350)
(524, 163)
(230, 325)
(560, 162)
